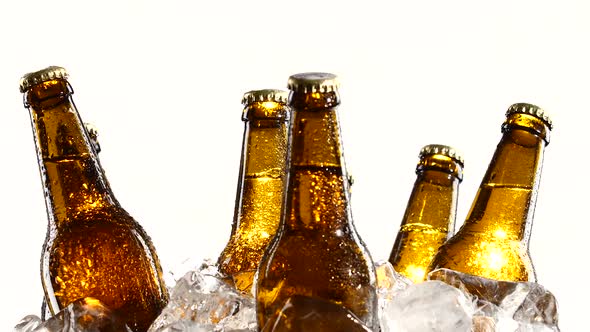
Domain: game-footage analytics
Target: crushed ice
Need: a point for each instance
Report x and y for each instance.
(205, 300)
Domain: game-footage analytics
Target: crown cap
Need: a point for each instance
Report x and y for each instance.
(530, 109)
(444, 150)
(313, 82)
(278, 96)
(43, 75)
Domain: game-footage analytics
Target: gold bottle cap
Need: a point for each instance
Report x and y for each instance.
(43, 75)
(278, 96)
(444, 150)
(530, 109)
(313, 82)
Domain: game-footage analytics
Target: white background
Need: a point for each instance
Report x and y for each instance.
(163, 81)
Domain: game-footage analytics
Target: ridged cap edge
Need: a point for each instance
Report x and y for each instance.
(279, 96)
(444, 150)
(43, 75)
(530, 109)
(313, 82)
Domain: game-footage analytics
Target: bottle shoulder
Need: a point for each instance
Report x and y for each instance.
(100, 232)
(111, 217)
(323, 248)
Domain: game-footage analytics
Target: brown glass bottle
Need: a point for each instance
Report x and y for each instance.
(429, 219)
(494, 240)
(93, 248)
(261, 184)
(316, 252)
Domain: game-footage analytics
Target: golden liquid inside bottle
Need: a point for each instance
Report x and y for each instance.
(430, 216)
(322, 261)
(93, 247)
(260, 189)
(104, 255)
(493, 242)
(242, 255)
(316, 252)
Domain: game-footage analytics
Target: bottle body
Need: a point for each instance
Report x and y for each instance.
(260, 186)
(104, 255)
(316, 252)
(493, 241)
(93, 248)
(429, 218)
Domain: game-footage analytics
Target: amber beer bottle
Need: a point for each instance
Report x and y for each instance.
(316, 252)
(494, 240)
(261, 184)
(93, 248)
(429, 219)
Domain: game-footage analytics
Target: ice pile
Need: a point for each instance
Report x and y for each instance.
(87, 314)
(507, 306)
(428, 306)
(454, 301)
(203, 301)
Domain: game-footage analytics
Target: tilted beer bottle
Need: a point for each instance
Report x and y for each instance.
(261, 184)
(316, 252)
(493, 242)
(93, 248)
(429, 219)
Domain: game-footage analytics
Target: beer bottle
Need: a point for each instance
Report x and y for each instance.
(93, 248)
(260, 185)
(429, 219)
(316, 252)
(494, 240)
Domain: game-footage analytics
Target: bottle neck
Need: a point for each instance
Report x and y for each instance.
(262, 166)
(317, 193)
(315, 131)
(433, 202)
(265, 141)
(72, 177)
(505, 202)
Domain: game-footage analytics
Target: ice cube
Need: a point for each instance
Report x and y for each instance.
(203, 300)
(84, 315)
(514, 306)
(389, 281)
(28, 324)
(484, 324)
(429, 306)
(302, 313)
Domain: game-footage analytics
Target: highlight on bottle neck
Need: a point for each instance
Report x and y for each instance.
(443, 158)
(530, 118)
(314, 90)
(266, 104)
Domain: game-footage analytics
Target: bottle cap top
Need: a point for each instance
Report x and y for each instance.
(313, 82)
(279, 96)
(530, 109)
(444, 150)
(43, 75)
